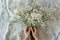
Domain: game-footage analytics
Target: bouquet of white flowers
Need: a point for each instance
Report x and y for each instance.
(36, 16)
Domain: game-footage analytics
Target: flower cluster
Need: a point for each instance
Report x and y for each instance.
(36, 16)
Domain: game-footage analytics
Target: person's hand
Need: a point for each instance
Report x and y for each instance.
(27, 33)
(35, 33)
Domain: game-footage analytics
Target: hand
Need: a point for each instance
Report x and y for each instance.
(27, 33)
(35, 33)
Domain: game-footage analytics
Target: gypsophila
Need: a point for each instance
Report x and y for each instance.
(36, 16)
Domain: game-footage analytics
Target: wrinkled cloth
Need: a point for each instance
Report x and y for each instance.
(11, 28)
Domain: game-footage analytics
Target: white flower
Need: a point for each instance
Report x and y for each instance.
(34, 17)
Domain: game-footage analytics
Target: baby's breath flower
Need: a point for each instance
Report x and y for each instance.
(34, 16)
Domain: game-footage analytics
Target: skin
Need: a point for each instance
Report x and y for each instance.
(27, 33)
(34, 33)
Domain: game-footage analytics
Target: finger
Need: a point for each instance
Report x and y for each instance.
(35, 29)
(27, 29)
(31, 29)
